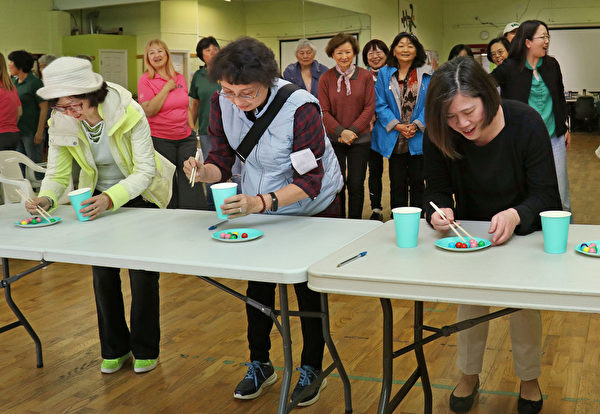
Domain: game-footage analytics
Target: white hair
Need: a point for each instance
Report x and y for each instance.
(302, 43)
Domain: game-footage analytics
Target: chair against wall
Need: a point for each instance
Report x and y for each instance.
(585, 112)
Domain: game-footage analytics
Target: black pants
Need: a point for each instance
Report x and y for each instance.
(357, 156)
(260, 325)
(178, 151)
(375, 174)
(115, 338)
(406, 170)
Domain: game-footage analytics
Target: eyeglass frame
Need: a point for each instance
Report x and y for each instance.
(64, 108)
(545, 37)
(499, 52)
(242, 97)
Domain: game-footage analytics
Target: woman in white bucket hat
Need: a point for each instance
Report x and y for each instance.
(105, 131)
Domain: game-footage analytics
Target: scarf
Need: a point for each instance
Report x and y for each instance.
(345, 76)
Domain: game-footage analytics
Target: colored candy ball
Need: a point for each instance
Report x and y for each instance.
(228, 236)
(593, 245)
(481, 243)
(222, 235)
(586, 249)
(593, 250)
(451, 244)
(23, 222)
(244, 235)
(458, 245)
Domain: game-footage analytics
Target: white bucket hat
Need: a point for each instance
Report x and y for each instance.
(69, 76)
(508, 28)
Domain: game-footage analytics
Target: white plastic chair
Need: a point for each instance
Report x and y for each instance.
(11, 177)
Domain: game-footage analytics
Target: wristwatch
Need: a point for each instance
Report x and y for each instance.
(275, 202)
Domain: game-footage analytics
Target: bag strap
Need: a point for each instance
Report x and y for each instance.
(260, 125)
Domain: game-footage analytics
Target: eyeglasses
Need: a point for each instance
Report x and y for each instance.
(499, 52)
(232, 96)
(72, 108)
(377, 53)
(545, 37)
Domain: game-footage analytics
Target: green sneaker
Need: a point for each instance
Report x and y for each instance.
(144, 365)
(113, 365)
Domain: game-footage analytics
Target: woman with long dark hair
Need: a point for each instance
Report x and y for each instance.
(400, 92)
(533, 77)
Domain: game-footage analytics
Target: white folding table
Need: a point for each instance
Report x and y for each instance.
(515, 275)
(178, 241)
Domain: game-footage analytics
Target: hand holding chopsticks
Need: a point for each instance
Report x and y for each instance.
(451, 223)
(198, 158)
(39, 209)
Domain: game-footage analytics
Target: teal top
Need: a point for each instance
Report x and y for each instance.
(28, 122)
(202, 89)
(541, 101)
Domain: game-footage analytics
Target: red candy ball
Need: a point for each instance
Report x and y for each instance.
(244, 235)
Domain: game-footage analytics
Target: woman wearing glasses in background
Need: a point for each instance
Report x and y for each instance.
(249, 78)
(105, 131)
(497, 50)
(374, 54)
(163, 94)
(531, 76)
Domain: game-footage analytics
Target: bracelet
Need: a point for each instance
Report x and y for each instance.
(264, 205)
(50, 201)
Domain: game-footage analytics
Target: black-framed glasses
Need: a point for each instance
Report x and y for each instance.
(72, 108)
(232, 96)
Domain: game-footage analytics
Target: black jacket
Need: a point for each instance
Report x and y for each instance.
(516, 84)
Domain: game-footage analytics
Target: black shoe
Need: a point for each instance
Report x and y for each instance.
(376, 216)
(530, 407)
(259, 375)
(463, 404)
(307, 376)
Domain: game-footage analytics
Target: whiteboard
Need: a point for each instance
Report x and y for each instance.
(578, 53)
(287, 52)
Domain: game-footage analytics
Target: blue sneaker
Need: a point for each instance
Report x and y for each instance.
(307, 376)
(259, 375)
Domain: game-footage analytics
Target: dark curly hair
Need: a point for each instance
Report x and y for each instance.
(244, 61)
(372, 44)
(205, 43)
(94, 98)
(22, 60)
(420, 58)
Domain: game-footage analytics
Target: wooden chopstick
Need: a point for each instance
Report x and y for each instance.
(39, 209)
(441, 213)
(193, 174)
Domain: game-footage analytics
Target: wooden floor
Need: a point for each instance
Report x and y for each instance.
(204, 343)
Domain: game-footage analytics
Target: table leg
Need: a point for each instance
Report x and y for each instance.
(21, 318)
(421, 362)
(337, 361)
(388, 359)
(287, 349)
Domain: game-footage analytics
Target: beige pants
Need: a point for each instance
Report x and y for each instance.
(525, 334)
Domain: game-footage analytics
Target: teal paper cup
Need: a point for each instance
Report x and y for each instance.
(77, 196)
(220, 192)
(406, 221)
(555, 227)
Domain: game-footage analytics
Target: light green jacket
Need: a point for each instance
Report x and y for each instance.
(146, 171)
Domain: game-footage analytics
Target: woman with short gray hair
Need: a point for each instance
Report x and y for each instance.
(306, 72)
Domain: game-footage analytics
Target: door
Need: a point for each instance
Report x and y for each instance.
(113, 66)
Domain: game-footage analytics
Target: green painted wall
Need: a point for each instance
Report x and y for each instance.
(33, 26)
(90, 45)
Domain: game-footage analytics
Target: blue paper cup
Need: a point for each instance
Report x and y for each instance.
(77, 196)
(220, 192)
(406, 221)
(555, 227)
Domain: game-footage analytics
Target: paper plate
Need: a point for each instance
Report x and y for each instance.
(44, 223)
(253, 234)
(579, 248)
(446, 241)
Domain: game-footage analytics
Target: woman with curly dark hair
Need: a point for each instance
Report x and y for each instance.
(271, 184)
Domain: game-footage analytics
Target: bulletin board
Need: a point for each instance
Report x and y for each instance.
(287, 51)
(578, 53)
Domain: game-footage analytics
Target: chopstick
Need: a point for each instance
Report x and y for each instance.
(39, 209)
(193, 174)
(441, 213)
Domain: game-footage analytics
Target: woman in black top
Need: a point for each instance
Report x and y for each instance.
(531, 76)
(494, 158)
